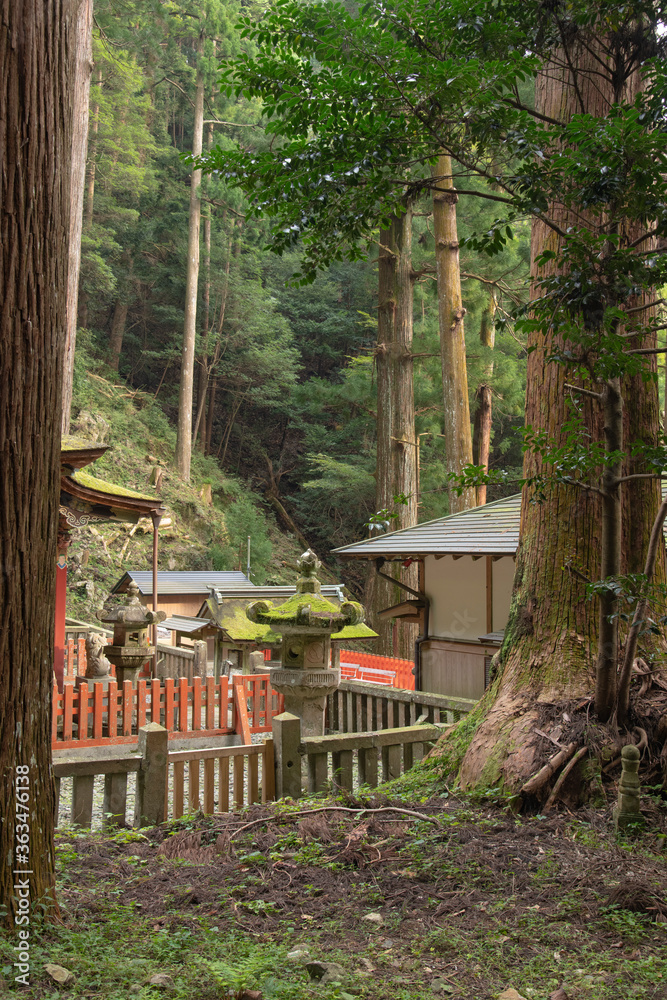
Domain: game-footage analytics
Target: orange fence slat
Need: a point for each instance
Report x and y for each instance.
(84, 711)
(196, 702)
(241, 710)
(56, 711)
(156, 699)
(128, 699)
(141, 703)
(112, 708)
(210, 702)
(169, 704)
(183, 704)
(98, 710)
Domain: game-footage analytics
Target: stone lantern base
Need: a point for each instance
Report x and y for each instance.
(305, 693)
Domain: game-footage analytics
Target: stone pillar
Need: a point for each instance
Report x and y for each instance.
(626, 811)
(152, 778)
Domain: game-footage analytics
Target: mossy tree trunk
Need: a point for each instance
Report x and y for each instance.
(481, 438)
(458, 437)
(37, 46)
(551, 640)
(396, 469)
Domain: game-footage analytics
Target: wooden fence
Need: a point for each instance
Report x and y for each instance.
(176, 661)
(347, 761)
(358, 707)
(86, 715)
(213, 788)
(162, 787)
(173, 661)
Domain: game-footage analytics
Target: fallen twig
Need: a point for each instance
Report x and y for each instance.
(308, 812)
(563, 775)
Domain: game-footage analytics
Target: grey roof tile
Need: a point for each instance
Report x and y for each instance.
(184, 582)
(492, 529)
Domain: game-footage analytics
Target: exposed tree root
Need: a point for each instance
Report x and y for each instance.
(563, 776)
(535, 784)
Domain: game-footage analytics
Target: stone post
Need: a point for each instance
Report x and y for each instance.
(152, 778)
(200, 662)
(626, 811)
(286, 738)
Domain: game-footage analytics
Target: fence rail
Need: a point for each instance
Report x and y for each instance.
(398, 748)
(358, 706)
(160, 794)
(92, 715)
(243, 786)
(331, 760)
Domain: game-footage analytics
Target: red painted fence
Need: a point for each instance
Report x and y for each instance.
(379, 669)
(87, 715)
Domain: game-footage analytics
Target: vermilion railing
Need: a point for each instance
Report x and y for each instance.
(388, 670)
(259, 700)
(88, 715)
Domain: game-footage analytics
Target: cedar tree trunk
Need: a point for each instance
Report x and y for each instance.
(37, 47)
(481, 439)
(396, 469)
(458, 439)
(184, 432)
(80, 95)
(551, 639)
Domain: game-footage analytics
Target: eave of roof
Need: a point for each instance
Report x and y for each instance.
(492, 529)
(75, 453)
(185, 582)
(106, 501)
(187, 625)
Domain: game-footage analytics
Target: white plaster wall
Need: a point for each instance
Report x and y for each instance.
(503, 577)
(456, 589)
(457, 592)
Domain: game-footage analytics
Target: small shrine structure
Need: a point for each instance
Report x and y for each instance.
(84, 499)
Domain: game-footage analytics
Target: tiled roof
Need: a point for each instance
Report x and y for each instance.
(492, 530)
(185, 582)
(184, 624)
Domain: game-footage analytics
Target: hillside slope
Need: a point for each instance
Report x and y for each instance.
(208, 520)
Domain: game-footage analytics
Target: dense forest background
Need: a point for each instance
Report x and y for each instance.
(285, 400)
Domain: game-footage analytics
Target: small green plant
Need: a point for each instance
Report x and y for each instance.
(245, 974)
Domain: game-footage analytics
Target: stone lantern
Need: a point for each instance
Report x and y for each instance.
(130, 620)
(306, 623)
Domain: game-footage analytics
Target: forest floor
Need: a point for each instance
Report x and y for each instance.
(337, 898)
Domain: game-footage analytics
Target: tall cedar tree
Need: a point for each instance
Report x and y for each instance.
(37, 46)
(396, 467)
(548, 655)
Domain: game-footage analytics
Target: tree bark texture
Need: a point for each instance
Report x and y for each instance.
(117, 334)
(458, 439)
(37, 47)
(80, 101)
(396, 468)
(481, 439)
(186, 388)
(551, 637)
(611, 554)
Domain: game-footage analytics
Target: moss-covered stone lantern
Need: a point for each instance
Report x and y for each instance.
(306, 623)
(130, 620)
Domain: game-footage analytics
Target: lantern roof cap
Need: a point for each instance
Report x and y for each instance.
(307, 610)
